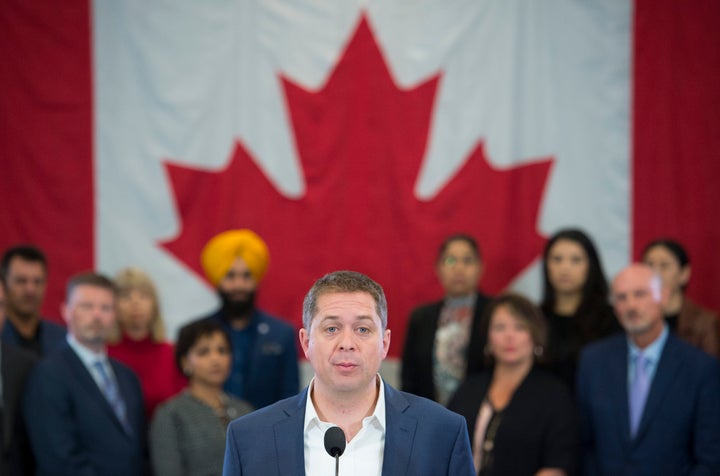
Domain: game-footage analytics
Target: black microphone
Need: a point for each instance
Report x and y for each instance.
(335, 444)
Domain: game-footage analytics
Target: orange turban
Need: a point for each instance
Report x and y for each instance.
(220, 252)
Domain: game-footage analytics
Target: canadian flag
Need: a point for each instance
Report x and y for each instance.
(356, 135)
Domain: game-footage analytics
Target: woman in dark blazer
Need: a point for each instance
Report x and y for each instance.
(521, 420)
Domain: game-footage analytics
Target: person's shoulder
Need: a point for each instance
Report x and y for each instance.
(174, 405)
(266, 416)
(603, 346)
(420, 407)
(695, 357)
(546, 386)
(423, 311)
(18, 356)
(274, 323)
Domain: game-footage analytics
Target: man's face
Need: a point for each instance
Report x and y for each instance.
(638, 297)
(345, 343)
(25, 288)
(238, 284)
(90, 314)
(459, 269)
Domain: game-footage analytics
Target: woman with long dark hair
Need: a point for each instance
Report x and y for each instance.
(575, 300)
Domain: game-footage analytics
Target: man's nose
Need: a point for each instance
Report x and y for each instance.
(347, 340)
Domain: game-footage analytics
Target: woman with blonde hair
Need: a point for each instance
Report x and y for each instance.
(139, 338)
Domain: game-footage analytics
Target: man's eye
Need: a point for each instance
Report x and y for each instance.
(363, 330)
(331, 329)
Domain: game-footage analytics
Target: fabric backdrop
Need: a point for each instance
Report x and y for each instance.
(356, 135)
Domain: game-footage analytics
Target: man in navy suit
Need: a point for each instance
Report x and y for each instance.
(388, 432)
(83, 410)
(650, 403)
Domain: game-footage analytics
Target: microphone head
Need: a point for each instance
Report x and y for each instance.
(335, 441)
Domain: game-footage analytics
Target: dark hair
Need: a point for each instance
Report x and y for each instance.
(89, 279)
(190, 334)
(26, 253)
(344, 282)
(675, 248)
(521, 308)
(597, 318)
(459, 237)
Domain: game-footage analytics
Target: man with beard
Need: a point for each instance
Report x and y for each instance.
(23, 272)
(265, 362)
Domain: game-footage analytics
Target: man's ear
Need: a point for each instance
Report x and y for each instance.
(304, 337)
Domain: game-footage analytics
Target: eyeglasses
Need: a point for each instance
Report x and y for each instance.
(451, 261)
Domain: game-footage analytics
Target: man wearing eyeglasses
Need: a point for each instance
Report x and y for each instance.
(443, 341)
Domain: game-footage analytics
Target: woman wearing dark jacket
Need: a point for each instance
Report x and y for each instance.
(521, 419)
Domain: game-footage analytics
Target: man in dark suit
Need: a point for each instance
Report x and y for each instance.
(15, 365)
(345, 338)
(84, 411)
(443, 342)
(650, 403)
(265, 362)
(23, 275)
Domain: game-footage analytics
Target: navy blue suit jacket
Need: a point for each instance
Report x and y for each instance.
(73, 429)
(422, 438)
(272, 372)
(679, 433)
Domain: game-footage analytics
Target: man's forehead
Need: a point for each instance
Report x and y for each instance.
(633, 278)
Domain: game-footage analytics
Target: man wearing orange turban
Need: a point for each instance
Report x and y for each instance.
(265, 362)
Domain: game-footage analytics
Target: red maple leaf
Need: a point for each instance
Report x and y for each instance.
(361, 141)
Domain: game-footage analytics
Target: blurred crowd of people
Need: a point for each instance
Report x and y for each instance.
(596, 378)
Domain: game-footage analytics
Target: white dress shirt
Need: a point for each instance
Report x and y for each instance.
(363, 455)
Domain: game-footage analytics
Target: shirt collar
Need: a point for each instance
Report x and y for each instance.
(313, 420)
(87, 356)
(653, 351)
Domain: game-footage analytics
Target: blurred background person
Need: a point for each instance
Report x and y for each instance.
(692, 323)
(138, 339)
(443, 337)
(575, 300)
(265, 360)
(522, 420)
(187, 435)
(16, 457)
(23, 271)
(84, 410)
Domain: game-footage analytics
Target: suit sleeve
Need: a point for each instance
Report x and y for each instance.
(231, 464)
(707, 424)
(48, 412)
(461, 460)
(165, 453)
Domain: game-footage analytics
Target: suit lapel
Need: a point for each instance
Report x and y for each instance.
(399, 433)
(618, 388)
(86, 381)
(289, 447)
(667, 368)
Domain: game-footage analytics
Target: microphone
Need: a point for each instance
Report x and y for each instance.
(335, 444)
